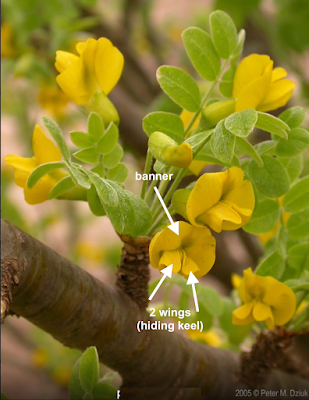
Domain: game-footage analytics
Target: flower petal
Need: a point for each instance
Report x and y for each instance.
(261, 311)
(44, 149)
(78, 81)
(279, 94)
(278, 73)
(205, 194)
(196, 167)
(23, 168)
(190, 266)
(215, 216)
(186, 117)
(108, 65)
(64, 59)
(248, 70)
(39, 193)
(243, 311)
(254, 93)
(171, 257)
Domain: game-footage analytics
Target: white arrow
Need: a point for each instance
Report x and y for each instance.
(192, 281)
(166, 272)
(174, 225)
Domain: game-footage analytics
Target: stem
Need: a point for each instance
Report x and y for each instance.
(146, 171)
(150, 191)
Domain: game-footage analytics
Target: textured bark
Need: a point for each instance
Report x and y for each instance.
(80, 311)
(133, 272)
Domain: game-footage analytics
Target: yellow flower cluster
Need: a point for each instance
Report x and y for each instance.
(264, 299)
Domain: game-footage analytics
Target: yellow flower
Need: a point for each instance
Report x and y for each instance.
(40, 358)
(259, 86)
(54, 100)
(193, 250)
(264, 237)
(221, 200)
(7, 49)
(97, 68)
(44, 152)
(265, 299)
(210, 337)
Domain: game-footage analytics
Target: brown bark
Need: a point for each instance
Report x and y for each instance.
(80, 311)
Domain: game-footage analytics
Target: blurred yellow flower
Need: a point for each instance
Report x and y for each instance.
(265, 299)
(90, 251)
(264, 237)
(53, 100)
(193, 250)
(61, 375)
(40, 358)
(301, 307)
(259, 86)
(210, 337)
(97, 68)
(7, 48)
(221, 200)
(44, 152)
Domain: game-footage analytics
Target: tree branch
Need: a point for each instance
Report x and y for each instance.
(80, 311)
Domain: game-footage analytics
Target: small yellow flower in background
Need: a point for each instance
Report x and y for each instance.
(7, 48)
(193, 250)
(259, 86)
(90, 251)
(265, 299)
(301, 307)
(97, 68)
(210, 337)
(264, 237)
(53, 100)
(221, 200)
(44, 152)
(40, 358)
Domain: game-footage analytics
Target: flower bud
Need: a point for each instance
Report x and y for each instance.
(166, 150)
(217, 111)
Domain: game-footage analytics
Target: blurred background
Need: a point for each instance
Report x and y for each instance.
(148, 32)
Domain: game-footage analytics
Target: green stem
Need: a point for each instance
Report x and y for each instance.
(150, 191)
(146, 171)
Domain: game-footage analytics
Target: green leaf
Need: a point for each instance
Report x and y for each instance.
(118, 173)
(210, 299)
(273, 266)
(272, 180)
(57, 135)
(249, 149)
(95, 204)
(168, 123)
(197, 140)
(43, 170)
(61, 187)
(89, 369)
(298, 141)
(109, 140)
(180, 87)
(78, 177)
(142, 215)
(297, 198)
(227, 82)
(239, 48)
(271, 124)
(95, 126)
(298, 257)
(298, 225)
(294, 116)
(81, 139)
(76, 390)
(104, 390)
(224, 33)
(106, 192)
(293, 165)
(222, 143)
(132, 216)
(236, 333)
(265, 147)
(202, 53)
(109, 377)
(241, 123)
(111, 159)
(88, 155)
(298, 284)
(264, 217)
